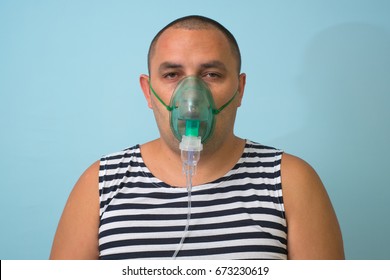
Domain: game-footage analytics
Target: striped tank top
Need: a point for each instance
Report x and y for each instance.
(238, 216)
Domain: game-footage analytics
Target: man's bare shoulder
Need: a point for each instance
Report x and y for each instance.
(90, 175)
(296, 171)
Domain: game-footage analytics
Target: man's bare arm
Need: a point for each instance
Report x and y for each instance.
(313, 229)
(77, 232)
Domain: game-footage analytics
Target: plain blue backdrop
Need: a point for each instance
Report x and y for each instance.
(318, 86)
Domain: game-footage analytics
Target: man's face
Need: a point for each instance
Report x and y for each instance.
(203, 53)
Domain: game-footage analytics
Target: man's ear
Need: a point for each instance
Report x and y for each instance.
(145, 86)
(241, 87)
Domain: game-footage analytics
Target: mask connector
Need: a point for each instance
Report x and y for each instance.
(190, 147)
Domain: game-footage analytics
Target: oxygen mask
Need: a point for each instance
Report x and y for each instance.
(192, 109)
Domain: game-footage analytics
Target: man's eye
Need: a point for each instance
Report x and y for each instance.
(171, 75)
(211, 75)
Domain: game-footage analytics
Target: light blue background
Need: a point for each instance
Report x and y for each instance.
(318, 86)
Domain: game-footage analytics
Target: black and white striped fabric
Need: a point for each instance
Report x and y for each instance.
(239, 216)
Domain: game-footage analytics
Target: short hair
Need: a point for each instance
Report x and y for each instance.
(195, 22)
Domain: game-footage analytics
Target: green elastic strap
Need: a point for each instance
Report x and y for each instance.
(217, 111)
(169, 108)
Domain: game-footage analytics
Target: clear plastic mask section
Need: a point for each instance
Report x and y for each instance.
(192, 113)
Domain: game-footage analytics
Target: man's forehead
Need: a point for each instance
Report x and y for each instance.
(173, 33)
(177, 39)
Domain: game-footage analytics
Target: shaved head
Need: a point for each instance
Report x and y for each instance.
(198, 23)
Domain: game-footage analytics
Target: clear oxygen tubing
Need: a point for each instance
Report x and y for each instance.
(190, 154)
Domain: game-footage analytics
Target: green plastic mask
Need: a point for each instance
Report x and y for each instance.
(192, 109)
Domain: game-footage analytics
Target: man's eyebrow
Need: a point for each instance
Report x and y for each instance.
(210, 64)
(213, 64)
(169, 65)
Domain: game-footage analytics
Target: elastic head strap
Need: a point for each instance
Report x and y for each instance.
(217, 111)
(169, 108)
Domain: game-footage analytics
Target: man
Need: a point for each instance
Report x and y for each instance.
(248, 201)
